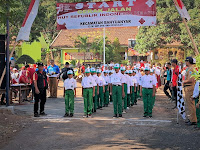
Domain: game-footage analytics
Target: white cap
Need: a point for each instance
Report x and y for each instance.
(93, 70)
(116, 66)
(98, 71)
(87, 70)
(70, 72)
(147, 69)
(123, 68)
(14, 68)
(130, 71)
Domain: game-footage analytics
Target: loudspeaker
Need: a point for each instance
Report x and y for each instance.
(2, 59)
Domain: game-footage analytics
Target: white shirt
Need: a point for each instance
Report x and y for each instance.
(124, 76)
(70, 84)
(15, 76)
(155, 79)
(116, 79)
(157, 71)
(101, 81)
(196, 90)
(147, 81)
(138, 77)
(96, 79)
(106, 79)
(133, 80)
(88, 82)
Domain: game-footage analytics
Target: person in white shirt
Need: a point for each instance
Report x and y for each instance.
(88, 90)
(155, 81)
(70, 93)
(110, 73)
(125, 82)
(106, 94)
(96, 79)
(195, 97)
(15, 76)
(100, 100)
(117, 91)
(134, 89)
(128, 88)
(147, 91)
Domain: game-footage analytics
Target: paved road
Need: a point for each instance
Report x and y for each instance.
(53, 132)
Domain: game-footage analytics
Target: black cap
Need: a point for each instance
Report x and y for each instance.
(40, 64)
(175, 61)
(190, 59)
(66, 63)
(27, 66)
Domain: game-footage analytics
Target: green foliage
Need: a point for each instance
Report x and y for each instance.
(25, 59)
(73, 62)
(165, 32)
(82, 43)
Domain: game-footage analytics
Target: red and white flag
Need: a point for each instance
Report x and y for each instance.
(181, 9)
(28, 21)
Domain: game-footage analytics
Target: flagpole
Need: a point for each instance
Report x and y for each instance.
(191, 37)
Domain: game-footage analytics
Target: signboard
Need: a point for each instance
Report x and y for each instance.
(79, 56)
(122, 13)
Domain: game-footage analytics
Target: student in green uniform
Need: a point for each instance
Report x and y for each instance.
(147, 91)
(134, 89)
(117, 91)
(70, 87)
(88, 90)
(95, 98)
(125, 81)
(100, 100)
(106, 94)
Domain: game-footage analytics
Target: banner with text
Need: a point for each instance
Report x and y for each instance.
(122, 13)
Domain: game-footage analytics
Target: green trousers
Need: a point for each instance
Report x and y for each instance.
(153, 101)
(124, 99)
(106, 96)
(197, 113)
(133, 95)
(128, 100)
(138, 93)
(95, 99)
(147, 100)
(69, 101)
(117, 99)
(88, 100)
(100, 101)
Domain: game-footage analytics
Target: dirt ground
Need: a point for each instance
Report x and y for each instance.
(22, 131)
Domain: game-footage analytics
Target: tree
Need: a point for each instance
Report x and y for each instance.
(25, 59)
(82, 43)
(170, 27)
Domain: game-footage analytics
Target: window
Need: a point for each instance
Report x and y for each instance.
(131, 43)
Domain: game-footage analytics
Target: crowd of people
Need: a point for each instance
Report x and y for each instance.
(113, 83)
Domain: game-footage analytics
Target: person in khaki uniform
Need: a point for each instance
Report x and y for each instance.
(189, 84)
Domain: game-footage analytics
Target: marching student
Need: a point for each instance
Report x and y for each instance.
(70, 93)
(147, 91)
(125, 81)
(96, 79)
(88, 92)
(134, 88)
(100, 101)
(106, 94)
(131, 87)
(155, 81)
(128, 88)
(110, 73)
(117, 91)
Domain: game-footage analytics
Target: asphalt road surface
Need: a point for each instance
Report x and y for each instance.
(102, 132)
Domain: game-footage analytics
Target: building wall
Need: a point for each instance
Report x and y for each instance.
(31, 49)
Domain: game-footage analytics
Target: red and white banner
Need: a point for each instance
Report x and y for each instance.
(28, 21)
(181, 9)
(106, 14)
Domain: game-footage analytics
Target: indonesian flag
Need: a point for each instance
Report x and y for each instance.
(28, 21)
(181, 9)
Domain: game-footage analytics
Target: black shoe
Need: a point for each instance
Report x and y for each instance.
(120, 115)
(131, 104)
(95, 111)
(150, 116)
(135, 103)
(144, 116)
(36, 115)
(104, 105)
(115, 116)
(66, 115)
(43, 114)
(71, 115)
(191, 123)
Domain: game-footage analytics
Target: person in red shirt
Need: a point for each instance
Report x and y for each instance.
(41, 85)
(83, 69)
(175, 74)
